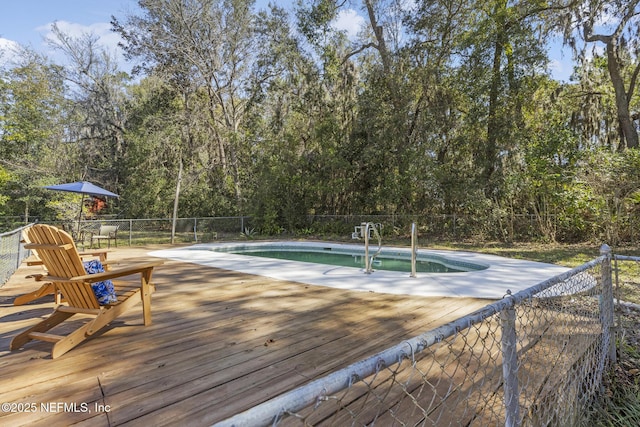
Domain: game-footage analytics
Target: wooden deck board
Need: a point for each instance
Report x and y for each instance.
(220, 343)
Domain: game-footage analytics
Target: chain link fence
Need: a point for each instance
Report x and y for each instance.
(627, 289)
(130, 232)
(12, 253)
(533, 358)
(134, 232)
(498, 224)
(494, 224)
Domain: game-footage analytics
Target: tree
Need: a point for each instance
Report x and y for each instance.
(373, 103)
(611, 181)
(31, 119)
(208, 46)
(616, 24)
(149, 161)
(208, 50)
(489, 54)
(96, 98)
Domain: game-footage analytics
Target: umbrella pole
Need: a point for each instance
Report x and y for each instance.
(79, 219)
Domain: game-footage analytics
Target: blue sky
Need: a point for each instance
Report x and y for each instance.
(27, 23)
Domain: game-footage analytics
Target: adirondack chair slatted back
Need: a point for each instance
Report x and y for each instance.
(60, 256)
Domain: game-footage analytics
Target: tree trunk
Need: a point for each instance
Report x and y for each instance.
(379, 33)
(175, 203)
(490, 151)
(629, 134)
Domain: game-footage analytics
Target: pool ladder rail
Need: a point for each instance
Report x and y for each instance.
(414, 249)
(366, 228)
(369, 261)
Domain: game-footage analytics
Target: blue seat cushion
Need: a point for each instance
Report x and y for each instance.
(104, 291)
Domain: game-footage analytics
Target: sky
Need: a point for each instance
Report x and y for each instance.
(28, 22)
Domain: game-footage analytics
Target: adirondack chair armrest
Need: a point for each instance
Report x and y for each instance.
(113, 274)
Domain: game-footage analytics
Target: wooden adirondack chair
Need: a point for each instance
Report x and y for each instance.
(66, 270)
(49, 288)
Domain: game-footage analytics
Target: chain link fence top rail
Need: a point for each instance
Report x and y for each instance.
(533, 358)
(12, 253)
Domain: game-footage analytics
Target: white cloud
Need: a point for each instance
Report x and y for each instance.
(9, 51)
(106, 38)
(560, 70)
(349, 21)
(102, 30)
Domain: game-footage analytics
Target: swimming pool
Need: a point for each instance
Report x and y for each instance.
(354, 257)
(353, 260)
(483, 276)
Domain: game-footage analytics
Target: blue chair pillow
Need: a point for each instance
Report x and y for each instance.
(104, 291)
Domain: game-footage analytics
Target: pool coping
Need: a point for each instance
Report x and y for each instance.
(503, 275)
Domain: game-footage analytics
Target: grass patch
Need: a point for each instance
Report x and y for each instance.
(619, 405)
(628, 281)
(565, 255)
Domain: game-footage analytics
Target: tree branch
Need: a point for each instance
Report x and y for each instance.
(357, 51)
(634, 79)
(623, 22)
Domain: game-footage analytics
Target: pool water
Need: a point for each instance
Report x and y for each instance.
(351, 260)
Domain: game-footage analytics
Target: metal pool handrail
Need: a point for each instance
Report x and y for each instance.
(414, 249)
(369, 261)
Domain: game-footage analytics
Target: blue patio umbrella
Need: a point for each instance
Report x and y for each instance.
(82, 187)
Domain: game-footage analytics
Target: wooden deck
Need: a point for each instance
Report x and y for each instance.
(221, 342)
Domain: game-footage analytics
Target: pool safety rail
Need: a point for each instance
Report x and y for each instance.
(368, 266)
(536, 357)
(414, 248)
(365, 230)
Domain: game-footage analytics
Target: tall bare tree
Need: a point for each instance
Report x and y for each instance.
(96, 95)
(210, 45)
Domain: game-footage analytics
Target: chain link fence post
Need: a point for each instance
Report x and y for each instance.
(607, 307)
(510, 366)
